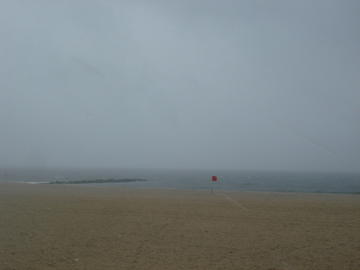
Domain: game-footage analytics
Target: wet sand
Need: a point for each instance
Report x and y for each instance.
(78, 227)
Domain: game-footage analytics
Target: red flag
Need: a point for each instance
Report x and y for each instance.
(214, 178)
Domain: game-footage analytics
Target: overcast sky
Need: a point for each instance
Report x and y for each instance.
(180, 84)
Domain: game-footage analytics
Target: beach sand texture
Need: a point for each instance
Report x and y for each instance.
(78, 227)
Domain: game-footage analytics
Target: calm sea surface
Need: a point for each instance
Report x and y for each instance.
(200, 179)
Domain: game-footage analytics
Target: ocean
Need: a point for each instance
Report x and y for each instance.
(314, 182)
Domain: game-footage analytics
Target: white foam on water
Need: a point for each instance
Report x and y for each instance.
(35, 183)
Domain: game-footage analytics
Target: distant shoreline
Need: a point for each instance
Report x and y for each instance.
(116, 181)
(97, 181)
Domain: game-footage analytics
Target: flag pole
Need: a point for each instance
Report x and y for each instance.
(213, 179)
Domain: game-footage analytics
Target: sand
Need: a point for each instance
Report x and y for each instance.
(77, 227)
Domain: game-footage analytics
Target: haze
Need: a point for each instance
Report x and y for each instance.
(268, 85)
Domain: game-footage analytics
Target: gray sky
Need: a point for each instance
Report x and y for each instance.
(180, 84)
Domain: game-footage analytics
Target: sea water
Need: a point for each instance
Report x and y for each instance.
(200, 179)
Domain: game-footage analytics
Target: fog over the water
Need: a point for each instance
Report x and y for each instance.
(180, 84)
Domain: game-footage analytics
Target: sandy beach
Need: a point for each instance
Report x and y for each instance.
(78, 227)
